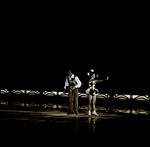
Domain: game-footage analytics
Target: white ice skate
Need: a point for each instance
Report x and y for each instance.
(94, 113)
(89, 113)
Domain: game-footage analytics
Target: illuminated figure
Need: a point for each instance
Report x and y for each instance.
(73, 83)
(92, 91)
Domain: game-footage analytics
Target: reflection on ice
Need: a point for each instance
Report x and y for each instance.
(92, 123)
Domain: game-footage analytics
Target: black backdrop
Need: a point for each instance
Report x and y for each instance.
(37, 55)
(47, 71)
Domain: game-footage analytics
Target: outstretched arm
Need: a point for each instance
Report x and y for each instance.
(101, 80)
(107, 78)
(97, 81)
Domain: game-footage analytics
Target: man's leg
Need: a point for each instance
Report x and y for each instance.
(76, 100)
(89, 99)
(71, 102)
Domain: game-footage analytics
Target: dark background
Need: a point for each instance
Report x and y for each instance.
(39, 47)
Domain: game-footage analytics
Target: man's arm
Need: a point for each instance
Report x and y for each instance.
(66, 83)
(78, 85)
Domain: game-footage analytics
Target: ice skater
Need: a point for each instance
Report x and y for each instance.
(73, 83)
(92, 91)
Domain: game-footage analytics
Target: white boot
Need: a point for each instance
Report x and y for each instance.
(94, 113)
(89, 113)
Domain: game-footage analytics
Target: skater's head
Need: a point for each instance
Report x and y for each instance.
(97, 76)
(70, 73)
(91, 74)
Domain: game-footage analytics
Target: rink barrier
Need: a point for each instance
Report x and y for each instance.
(120, 102)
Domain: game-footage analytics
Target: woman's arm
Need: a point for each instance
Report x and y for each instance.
(99, 81)
(102, 80)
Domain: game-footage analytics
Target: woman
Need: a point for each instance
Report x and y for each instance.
(92, 91)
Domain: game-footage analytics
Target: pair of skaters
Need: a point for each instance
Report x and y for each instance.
(73, 83)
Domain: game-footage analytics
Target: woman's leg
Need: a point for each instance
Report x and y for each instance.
(89, 105)
(94, 102)
(94, 108)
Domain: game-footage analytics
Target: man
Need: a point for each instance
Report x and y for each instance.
(73, 84)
